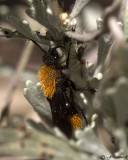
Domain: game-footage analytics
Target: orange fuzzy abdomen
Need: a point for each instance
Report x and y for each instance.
(48, 76)
(77, 122)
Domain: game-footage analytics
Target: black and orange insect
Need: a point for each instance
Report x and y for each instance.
(58, 89)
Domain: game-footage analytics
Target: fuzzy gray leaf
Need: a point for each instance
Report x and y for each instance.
(79, 5)
(88, 142)
(42, 12)
(22, 26)
(34, 95)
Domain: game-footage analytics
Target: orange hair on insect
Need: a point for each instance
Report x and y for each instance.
(48, 76)
(77, 121)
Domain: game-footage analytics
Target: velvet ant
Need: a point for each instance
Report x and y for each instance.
(58, 89)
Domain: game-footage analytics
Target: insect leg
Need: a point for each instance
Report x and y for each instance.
(82, 88)
(85, 118)
(67, 60)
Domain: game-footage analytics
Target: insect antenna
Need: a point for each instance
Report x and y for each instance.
(43, 50)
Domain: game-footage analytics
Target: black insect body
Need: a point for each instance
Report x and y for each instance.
(66, 114)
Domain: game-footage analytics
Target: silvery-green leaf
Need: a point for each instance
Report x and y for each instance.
(89, 142)
(35, 96)
(6, 32)
(42, 12)
(79, 5)
(22, 26)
